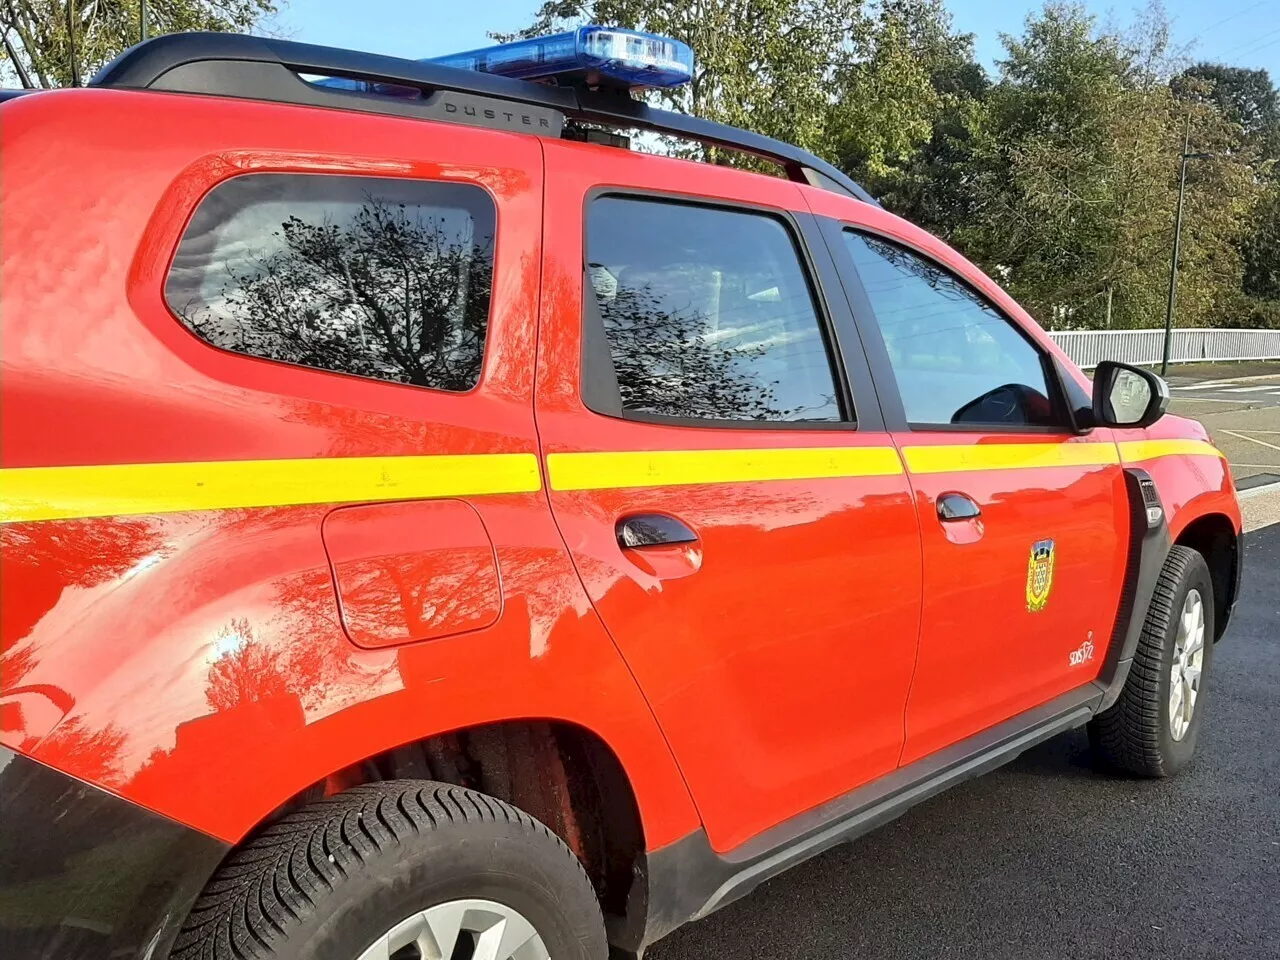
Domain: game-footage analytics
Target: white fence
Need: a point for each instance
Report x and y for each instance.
(1088, 347)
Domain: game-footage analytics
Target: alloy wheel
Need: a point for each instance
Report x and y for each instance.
(461, 930)
(1188, 663)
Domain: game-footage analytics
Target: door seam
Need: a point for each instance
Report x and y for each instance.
(545, 472)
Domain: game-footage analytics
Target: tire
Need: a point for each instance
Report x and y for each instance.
(328, 880)
(1136, 733)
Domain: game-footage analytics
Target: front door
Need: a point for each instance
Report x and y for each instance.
(734, 506)
(1023, 522)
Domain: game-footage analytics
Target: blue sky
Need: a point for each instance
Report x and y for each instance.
(1241, 32)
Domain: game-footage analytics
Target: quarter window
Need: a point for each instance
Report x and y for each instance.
(375, 277)
(957, 360)
(708, 313)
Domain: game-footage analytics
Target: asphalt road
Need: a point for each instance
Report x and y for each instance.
(1048, 858)
(1240, 404)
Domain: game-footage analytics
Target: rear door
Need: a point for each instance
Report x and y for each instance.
(1023, 522)
(731, 500)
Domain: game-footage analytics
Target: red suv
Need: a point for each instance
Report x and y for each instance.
(434, 530)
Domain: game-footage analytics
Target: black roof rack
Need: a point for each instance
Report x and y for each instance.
(258, 68)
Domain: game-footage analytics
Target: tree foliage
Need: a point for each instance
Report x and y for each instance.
(394, 294)
(1078, 177)
(43, 33)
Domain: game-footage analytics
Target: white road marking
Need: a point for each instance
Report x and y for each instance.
(1239, 402)
(1241, 436)
(1226, 382)
(1261, 376)
(1251, 492)
(1248, 389)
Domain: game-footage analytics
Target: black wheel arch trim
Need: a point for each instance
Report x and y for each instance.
(1237, 583)
(87, 875)
(1149, 544)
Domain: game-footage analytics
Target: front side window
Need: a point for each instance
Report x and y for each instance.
(708, 313)
(375, 277)
(957, 360)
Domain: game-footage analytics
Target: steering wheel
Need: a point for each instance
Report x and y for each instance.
(1007, 403)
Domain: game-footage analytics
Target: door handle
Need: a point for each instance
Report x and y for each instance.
(957, 506)
(652, 530)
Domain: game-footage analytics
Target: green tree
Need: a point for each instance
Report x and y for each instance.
(1245, 98)
(1246, 108)
(1075, 172)
(43, 33)
(1261, 249)
(552, 17)
(766, 65)
(885, 104)
(908, 110)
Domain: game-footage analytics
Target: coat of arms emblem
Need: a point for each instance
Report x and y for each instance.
(1039, 575)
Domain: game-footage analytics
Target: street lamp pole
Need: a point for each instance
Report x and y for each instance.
(71, 42)
(1177, 245)
(143, 26)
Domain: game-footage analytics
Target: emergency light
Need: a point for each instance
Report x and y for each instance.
(596, 55)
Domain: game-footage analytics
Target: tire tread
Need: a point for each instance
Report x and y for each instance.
(282, 875)
(1127, 735)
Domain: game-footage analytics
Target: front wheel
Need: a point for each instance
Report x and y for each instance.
(1151, 730)
(399, 870)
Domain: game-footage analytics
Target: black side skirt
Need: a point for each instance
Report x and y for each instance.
(688, 880)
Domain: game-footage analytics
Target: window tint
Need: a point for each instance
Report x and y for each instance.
(374, 277)
(956, 359)
(708, 313)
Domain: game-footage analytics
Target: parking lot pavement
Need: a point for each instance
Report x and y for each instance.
(1240, 406)
(1048, 858)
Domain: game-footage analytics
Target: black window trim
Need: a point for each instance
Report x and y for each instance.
(323, 372)
(882, 372)
(598, 382)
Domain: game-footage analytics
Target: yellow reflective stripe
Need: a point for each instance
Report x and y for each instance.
(1132, 451)
(668, 468)
(53, 493)
(956, 458)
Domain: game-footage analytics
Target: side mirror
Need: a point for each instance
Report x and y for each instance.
(1125, 396)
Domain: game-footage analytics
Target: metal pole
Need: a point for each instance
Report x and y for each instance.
(71, 38)
(1177, 249)
(144, 30)
(23, 77)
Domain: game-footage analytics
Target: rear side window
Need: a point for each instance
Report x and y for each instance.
(707, 312)
(374, 277)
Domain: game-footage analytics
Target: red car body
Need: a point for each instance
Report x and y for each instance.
(205, 553)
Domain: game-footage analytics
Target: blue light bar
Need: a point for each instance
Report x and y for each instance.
(594, 54)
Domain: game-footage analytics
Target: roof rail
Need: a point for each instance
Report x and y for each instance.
(259, 68)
